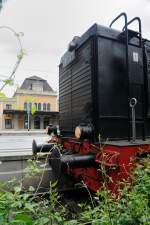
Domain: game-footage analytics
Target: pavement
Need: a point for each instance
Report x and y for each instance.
(17, 144)
(15, 150)
(22, 132)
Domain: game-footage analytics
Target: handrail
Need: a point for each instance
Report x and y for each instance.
(125, 29)
(120, 15)
(140, 28)
(123, 14)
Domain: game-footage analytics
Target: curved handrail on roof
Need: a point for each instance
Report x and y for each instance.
(140, 27)
(123, 14)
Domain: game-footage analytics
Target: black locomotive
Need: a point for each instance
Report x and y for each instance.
(99, 75)
(104, 90)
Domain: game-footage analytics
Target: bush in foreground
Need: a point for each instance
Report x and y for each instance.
(26, 208)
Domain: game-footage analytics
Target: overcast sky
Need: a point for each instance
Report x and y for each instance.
(48, 27)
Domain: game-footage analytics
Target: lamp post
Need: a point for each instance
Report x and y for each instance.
(28, 112)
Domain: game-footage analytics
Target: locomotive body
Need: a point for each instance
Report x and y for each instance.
(98, 76)
(104, 104)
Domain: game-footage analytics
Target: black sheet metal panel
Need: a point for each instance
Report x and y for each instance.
(147, 72)
(112, 79)
(65, 98)
(81, 86)
(95, 87)
(75, 89)
(136, 79)
(112, 88)
(116, 88)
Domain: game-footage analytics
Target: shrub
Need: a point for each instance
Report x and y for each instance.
(132, 207)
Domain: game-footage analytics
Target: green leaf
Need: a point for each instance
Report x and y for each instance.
(29, 206)
(31, 189)
(71, 222)
(2, 96)
(25, 196)
(9, 196)
(21, 54)
(9, 82)
(33, 109)
(17, 34)
(21, 34)
(58, 217)
(42, 221)
(17, 189)
(16, 204)
(53, 184)
(24, 218)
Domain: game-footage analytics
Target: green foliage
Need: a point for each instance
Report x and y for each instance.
(32, 168)
(21, 55)
(132, 207)
(29, 100)
(21, 208)
(9, 82)
(33, 109)
(20, 34)
(2, 96)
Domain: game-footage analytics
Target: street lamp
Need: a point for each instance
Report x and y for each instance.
(28, 112)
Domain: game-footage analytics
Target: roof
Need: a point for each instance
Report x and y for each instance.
(35, 78)
(94, 30)
(28, 81)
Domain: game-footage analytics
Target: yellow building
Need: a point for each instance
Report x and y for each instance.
(34, 106)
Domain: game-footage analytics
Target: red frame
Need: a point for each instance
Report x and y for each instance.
(117, 161)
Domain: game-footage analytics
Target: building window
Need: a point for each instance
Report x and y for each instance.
(37, 86)
(37, 122)
(8, 123)
(8, 106)
(30, 106)
(48, 107)
(30, 87)
(44, 106)
(46, 122)
(25, 106)
(39, 106)
(35, 104)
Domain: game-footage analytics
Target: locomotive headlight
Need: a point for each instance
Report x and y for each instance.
(84, 132)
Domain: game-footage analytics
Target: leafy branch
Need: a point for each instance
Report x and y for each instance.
(20, 56)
